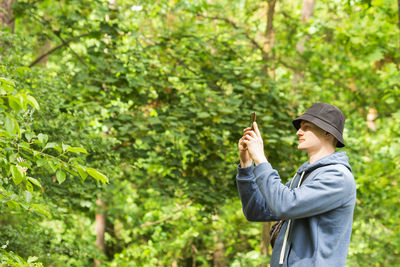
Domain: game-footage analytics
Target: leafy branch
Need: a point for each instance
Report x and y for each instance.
(245, 33)
(50, 51)
(180, 208)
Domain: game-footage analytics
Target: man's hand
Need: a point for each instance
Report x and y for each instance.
(245, 159)
(254, 144)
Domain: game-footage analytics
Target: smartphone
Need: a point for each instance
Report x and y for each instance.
(252, 119)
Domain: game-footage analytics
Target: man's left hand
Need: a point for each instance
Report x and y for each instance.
(255, 144)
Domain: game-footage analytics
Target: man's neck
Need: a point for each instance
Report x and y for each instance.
(314, 156)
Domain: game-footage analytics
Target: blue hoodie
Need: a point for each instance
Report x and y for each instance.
(319, 212)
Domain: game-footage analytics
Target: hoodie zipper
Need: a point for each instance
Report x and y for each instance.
(282, 256)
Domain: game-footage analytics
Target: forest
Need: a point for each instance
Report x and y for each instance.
(120, 121)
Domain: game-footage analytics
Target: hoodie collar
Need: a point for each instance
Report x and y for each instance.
(334, 158)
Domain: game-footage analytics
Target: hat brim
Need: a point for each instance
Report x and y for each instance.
(321, 124)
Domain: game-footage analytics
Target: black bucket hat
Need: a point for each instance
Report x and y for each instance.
(327, 117)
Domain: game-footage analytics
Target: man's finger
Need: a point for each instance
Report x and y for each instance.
(256, 129)
(251, 133)
(249, 137)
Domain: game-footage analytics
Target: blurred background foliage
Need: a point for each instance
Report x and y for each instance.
(149, 98)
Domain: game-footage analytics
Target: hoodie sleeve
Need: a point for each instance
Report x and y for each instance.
(255, 207)
(325, 192)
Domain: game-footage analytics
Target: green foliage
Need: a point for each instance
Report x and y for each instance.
(155, 96)
(28, 161)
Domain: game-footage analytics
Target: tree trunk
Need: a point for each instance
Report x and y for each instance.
(269, 30)
(269, 36)
(219, 253)
(269, 43)
(6, 15)
(264, 247)
(398, 7)
(306, 12)
(219, 259)
(100, 226)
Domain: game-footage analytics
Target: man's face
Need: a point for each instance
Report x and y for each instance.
(311, 137)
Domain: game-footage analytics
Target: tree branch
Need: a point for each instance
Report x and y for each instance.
(58, 34)
(165, 218)
(265, 54)
(73, 51)
(234, 25)
(337, 82)
(64, 43)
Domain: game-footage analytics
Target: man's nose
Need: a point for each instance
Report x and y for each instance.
(299, 132)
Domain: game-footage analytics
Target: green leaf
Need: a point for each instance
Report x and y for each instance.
(77, 150)
(60, 176)
(13, 204)
(40, 209)
(17, 174)
(43, 138)
(65, 147)
(52, 145)
(34, 181)
(28, 136)
(52, 165)
(32, 259)
(24, 145)
(97, 175)
(27, 196)
(32, 101)
(11, 125)
(15, 102)
(29, 186)
(82, 172)
(7, 81)
(41, 162)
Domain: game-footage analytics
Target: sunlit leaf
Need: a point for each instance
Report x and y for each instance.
(17, 174)
(60, 176)
(97, 175)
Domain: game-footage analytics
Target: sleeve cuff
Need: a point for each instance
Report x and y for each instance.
(245, 172)
(262, 167)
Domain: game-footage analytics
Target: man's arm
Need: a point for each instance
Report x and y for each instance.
(255, 207)
(327, 190)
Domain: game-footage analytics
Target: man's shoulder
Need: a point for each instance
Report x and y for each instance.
(337, 173)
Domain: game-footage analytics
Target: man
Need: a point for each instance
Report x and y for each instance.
(316, 205)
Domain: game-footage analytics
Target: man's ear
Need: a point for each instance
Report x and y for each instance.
(329, 135)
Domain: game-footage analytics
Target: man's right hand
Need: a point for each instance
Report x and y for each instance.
(245, 159)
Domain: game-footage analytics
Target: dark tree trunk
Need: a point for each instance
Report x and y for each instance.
(269, 36)
(6, 15)
(264, 248)
(269, 31)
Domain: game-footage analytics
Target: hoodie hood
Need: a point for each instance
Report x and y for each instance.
(335, 158)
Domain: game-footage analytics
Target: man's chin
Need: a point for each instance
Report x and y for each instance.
(300, 147)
